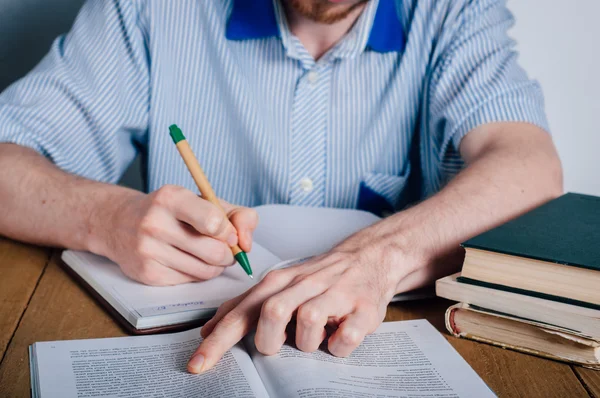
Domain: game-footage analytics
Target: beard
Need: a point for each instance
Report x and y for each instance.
(323, 11)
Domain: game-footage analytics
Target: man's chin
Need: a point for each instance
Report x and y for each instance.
(325, 11)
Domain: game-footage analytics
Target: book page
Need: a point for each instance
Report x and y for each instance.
(294, 231)
(146, 366)
(401, 359)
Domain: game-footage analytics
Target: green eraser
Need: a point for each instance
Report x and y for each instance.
(176, 133)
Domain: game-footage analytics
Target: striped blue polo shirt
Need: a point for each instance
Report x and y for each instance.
(374, 123)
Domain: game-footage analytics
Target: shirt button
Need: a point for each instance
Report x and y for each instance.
(312, 76)
(306, 184)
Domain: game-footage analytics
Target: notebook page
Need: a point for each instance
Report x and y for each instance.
(294, 231)
(147, 366)
(106, 276)
(406, 358)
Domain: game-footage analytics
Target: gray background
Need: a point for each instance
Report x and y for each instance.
(557, 40)
(27, 29)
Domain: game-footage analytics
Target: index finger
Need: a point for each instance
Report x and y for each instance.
(202, 215)
(231, 328)
(244, 220)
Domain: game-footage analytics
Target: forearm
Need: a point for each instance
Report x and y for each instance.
(511, 168)
(42, 204)
(501, 181)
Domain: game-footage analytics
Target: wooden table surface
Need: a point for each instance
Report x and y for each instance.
(39, 302)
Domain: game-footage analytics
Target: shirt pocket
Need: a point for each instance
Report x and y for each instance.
(382, 193)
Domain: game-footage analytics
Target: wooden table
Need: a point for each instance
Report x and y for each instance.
(39, 302)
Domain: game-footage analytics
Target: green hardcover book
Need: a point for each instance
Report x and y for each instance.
(551, 252)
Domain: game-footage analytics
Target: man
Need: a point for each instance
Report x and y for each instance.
(369, 104)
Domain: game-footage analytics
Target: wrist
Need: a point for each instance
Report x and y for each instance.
(404, 248)
(108, 209)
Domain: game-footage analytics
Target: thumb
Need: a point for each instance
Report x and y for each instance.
(244, 221)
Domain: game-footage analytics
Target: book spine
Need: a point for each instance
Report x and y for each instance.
(449, 320)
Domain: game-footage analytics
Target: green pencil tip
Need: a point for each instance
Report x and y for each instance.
(242, 258)
(176, 133)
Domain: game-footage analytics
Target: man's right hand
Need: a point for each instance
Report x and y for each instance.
(173, 236)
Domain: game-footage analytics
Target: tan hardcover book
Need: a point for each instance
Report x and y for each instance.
(531, 337)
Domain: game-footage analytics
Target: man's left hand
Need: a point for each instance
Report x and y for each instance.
(348, 288)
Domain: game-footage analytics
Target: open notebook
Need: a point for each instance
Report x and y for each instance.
(401, 359)
(284, 233)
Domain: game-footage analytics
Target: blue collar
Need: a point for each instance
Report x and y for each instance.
(256, 19)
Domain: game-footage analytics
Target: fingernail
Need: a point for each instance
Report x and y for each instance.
(195, 364)
(232, 240)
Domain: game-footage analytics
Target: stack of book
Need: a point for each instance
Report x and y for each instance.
(533, 284)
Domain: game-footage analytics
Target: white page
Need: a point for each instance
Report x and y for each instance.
(153, 300)
(294, 231)
(147, 366)
(406, 358)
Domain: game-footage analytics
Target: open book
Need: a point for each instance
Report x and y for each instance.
(401, 359)
(284, 233)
